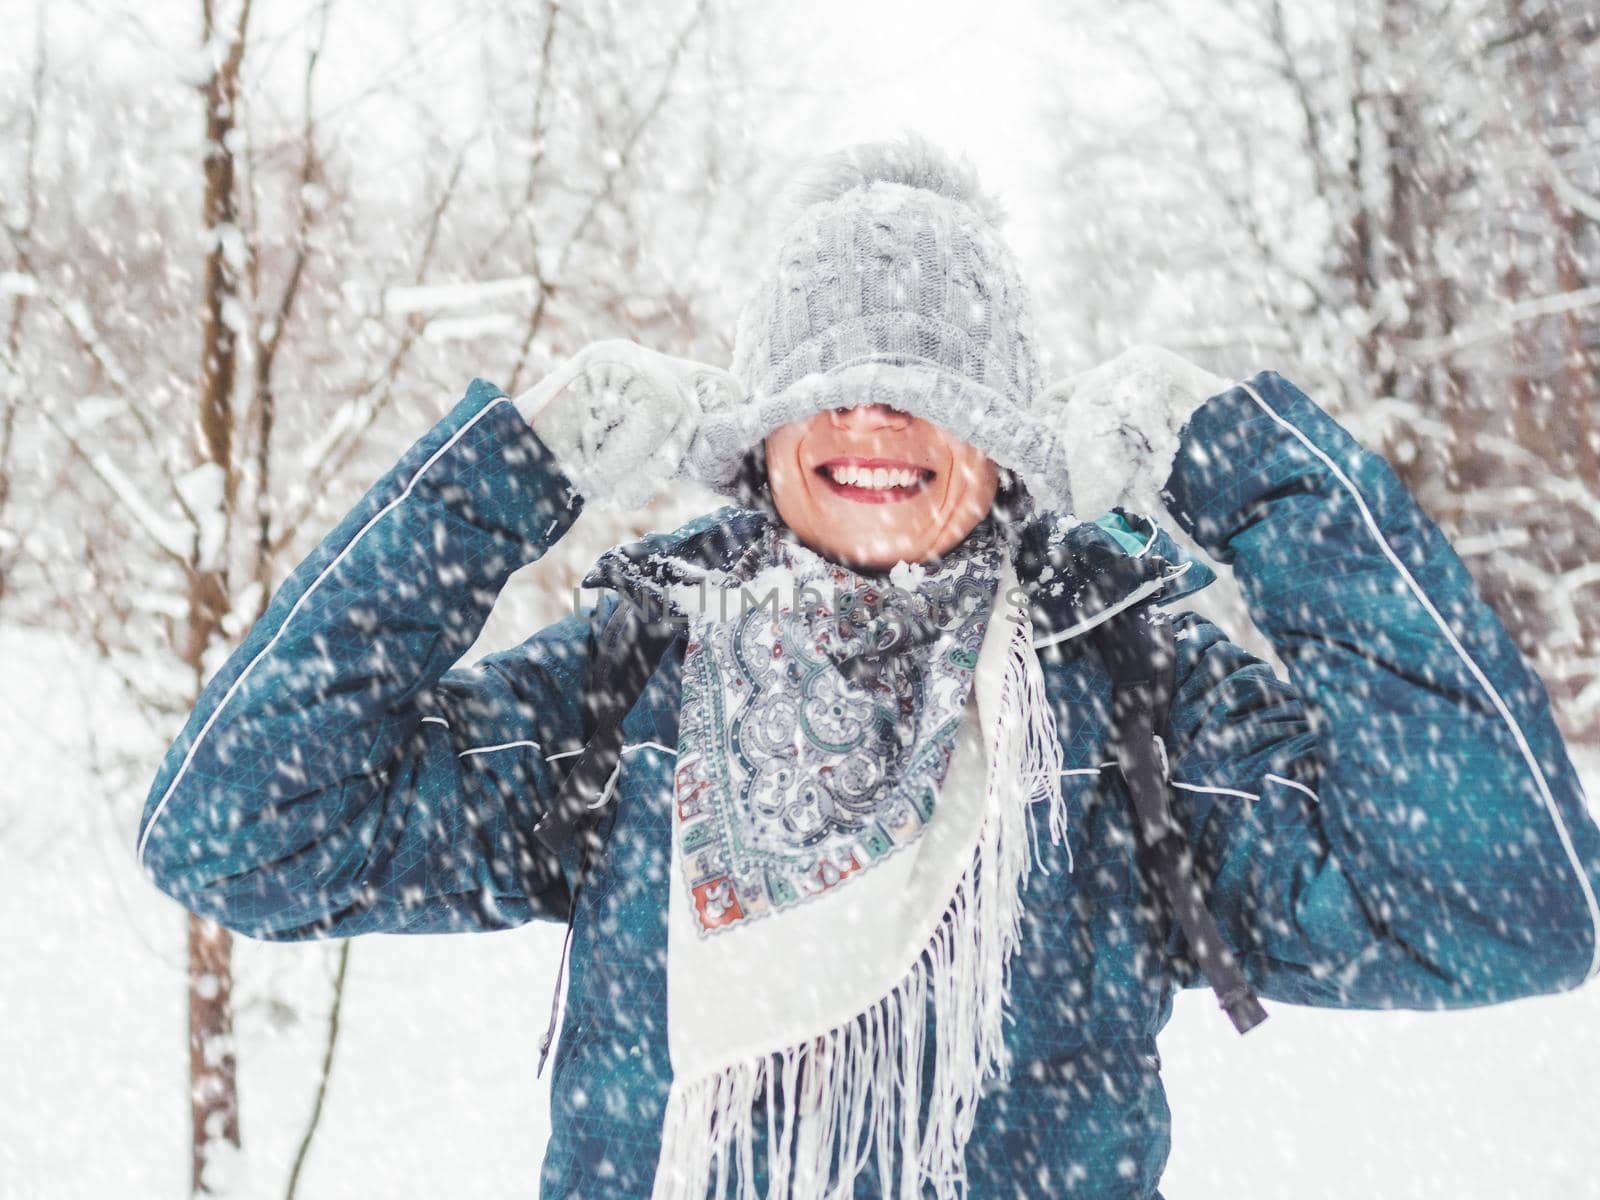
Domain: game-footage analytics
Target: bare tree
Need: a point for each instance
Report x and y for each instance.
(216, 393)
(1393, 200)
(213, 1084)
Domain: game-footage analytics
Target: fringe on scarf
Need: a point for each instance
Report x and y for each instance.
(855, 1090)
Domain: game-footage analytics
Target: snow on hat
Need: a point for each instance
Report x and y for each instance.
(891, 286)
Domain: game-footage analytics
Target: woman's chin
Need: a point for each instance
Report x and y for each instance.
(876, 536)
(876, 548)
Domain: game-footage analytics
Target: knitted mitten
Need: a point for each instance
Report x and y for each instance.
(1120, 422)
(619, 418)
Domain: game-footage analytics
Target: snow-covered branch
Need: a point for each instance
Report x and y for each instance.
(1568, 192)
(169, 537)
(425, 298)
(1503, 325)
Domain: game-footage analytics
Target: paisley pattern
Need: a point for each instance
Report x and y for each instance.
(817, 721)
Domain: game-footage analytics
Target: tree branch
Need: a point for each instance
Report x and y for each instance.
(1504, 324)
(331, 458)
(326, 1074)
(607, 188)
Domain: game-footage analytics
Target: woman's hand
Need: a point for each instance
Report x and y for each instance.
(1120, 422)
(619, 417)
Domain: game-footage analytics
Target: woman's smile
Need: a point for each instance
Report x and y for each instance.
(873, 485)
(874, 480)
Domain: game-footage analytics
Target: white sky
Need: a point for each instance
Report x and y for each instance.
(969, 76)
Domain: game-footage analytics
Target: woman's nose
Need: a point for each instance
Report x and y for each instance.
(864, 418)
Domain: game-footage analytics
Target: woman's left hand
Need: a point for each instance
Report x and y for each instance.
(1120, 422)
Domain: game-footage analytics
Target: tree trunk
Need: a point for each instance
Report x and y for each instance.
(1358, 261)
(213, 1085)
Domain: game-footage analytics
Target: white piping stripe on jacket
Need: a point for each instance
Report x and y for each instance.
(486, 749)
(616, 771)
(1215, 791)
(1208, 788)
(144, 838)
(500, 746)
(1294, 784)
(482, 749)
(1477, 673)
(536, 746)
(1106, 614)
(624, 750)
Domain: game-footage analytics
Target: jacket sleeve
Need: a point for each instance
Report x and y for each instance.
(1399, 825)
(337, 775)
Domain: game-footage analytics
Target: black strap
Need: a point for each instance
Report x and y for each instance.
(555, 998)
(630, 649)
(631, 646)
(1141, 655)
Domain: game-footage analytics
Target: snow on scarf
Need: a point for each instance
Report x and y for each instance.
(849, 848)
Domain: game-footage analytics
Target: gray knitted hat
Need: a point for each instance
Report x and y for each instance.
(891, 286)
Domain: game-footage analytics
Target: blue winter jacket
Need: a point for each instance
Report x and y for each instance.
(1397, 825)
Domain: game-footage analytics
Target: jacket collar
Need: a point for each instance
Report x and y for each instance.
(1080, 573)
(1076, 573)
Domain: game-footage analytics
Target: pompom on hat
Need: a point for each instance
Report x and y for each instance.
(890, 286)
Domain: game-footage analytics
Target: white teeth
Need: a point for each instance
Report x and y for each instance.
(876, 478)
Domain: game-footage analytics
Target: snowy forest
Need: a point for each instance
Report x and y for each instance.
(251, 251)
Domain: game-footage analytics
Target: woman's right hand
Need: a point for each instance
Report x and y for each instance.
(620, 417)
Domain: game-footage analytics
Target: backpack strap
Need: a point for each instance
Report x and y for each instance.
(1141, 655)
(631, 646)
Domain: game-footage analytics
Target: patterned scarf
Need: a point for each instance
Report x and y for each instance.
(813, 739)
(849, 846)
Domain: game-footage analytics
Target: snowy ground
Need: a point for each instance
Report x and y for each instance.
(434, 1091)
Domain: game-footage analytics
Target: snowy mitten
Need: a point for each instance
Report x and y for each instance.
(1120, 422)
(619, 418)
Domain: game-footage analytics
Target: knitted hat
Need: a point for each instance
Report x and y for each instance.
(891, 286)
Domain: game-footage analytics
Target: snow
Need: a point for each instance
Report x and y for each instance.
(460, 329)
(434, 1093)
(15, 283)
(202, 490)
(1588, 700)
(1227, 248)
(170, 535)
(432, 297)
(906, 576)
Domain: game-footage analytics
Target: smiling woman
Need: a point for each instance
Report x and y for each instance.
(792, 957)
(872, 485)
